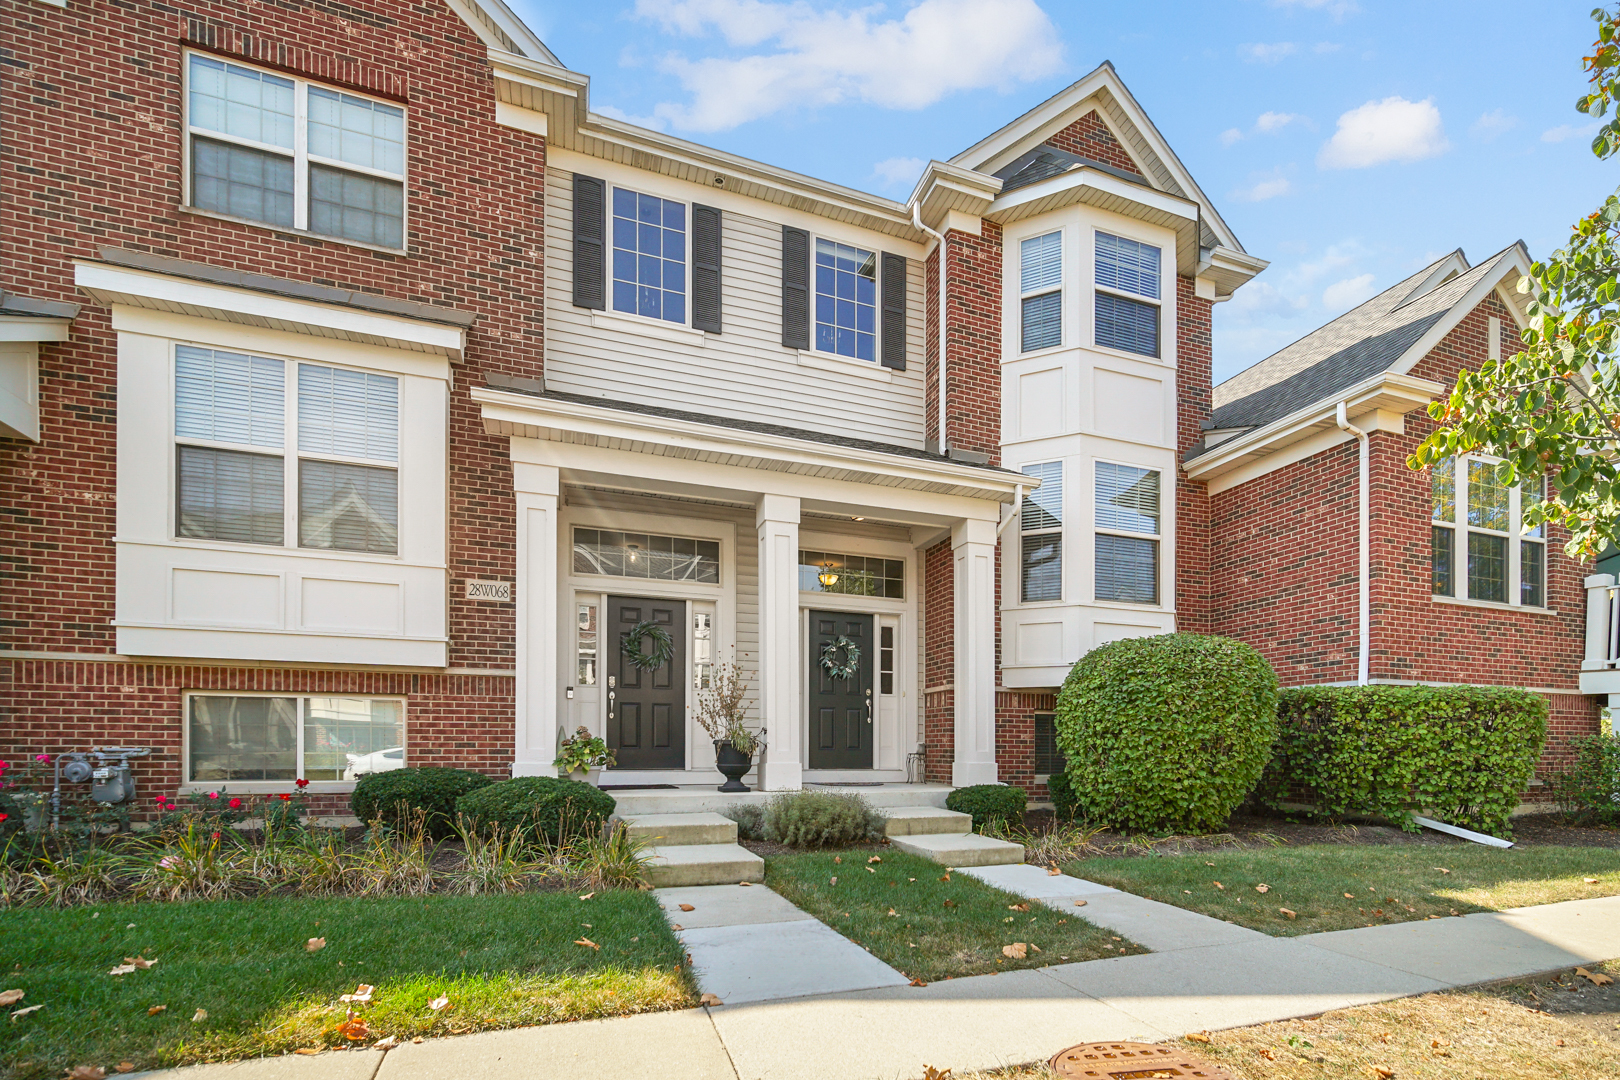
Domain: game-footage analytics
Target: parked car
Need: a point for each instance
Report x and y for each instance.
(377, 761)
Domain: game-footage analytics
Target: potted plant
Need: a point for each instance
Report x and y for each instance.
(581, 756)
(721, 710)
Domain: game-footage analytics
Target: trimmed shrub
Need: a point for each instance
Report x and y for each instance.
(1000, 803)
(1588, 791)
(1062, 791)
(559, 810)
(1463, 754)
(817, 819)
(1167, 732)
(394, 797)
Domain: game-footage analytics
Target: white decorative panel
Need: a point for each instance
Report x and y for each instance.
(1040, 643)
(355, 607)
(224, 598)
(1128, 407)
(1040, 403)
(1104, 632)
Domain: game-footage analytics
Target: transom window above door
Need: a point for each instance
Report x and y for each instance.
(294, 154)
(852, 575)
(645, 555)
(649, 256)
(846, 300)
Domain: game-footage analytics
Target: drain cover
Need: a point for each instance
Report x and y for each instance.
(1130, 1061)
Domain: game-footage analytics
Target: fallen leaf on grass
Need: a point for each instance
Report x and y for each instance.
(892, 913)
(309, 1050)
(1266, 1053)
(122, 969)
(1290, 914)
(875, 858)
(676, 926)
(1596, 978)
(1442, 869)
(139, 961)
(1209, 864)
(1349, 896)
(361, 995)
(154, 1010)
(199, 1016)
(950, 903)
(1079, 903)
(10, 997)
(834, 881)
(1018, 950)
(438, 1003)
(838, 858)
(1383, 1072)
(87, 1072)
(1198, 1037)
(354, 1029)
(125, 1066)
(25, 1012)
(588, 943)
(710, 999)
(386, 1044)
(1262, 888)
(931, 1073)
(1590, 880)
(315, 944)
(869, 870)
(946, 877)
(1221, 887)
(688, 907)
(918, 982)
(1017, 907)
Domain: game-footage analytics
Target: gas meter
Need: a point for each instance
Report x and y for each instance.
(106, 768)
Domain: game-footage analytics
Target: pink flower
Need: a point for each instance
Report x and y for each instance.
(213, 794)
(4, 765)
(235, 804)
(167, 861)
(43, 759)
(301, 782)
(163, 800)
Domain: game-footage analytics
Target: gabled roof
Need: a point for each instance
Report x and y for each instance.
(498, 28)
(1388, 333)
(1045, 162)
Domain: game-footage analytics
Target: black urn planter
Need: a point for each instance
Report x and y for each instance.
(733, 765)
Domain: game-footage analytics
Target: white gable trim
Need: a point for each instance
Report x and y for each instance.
(1515, 264)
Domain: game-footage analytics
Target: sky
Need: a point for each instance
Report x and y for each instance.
(1349, 142)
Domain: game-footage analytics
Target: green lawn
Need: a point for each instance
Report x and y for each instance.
(503, 961)
(926, 937)
(1385, 884)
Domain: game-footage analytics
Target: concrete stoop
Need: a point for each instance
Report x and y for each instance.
(702, 864)
(960, 849)
(673, 830)
(922, 820)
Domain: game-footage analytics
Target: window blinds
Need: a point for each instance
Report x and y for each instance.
(228, 397)
(1043, 507)
(1129, 325)
(1127, 265)
(229, 495)
(1127, 569)
(1127, 498)
(1041, 262)
(348, 507)
(348, 413)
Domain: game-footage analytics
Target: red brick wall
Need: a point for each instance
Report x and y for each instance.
(1015, 737)
(1194, 356)
(92, 157)
(973, 335)
(939, 661)
(1089, 137)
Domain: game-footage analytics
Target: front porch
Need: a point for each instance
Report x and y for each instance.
(795, 557)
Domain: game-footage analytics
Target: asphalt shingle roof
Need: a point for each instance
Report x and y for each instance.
(1045, 162)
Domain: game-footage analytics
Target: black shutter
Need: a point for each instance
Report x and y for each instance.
(795, 288)
(705, 269)
(590, 242)
(894, 312)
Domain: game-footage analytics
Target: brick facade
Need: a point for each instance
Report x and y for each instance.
(1194, 358)
(1089, 137)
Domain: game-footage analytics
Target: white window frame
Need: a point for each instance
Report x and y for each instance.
(1158, 538)
(686, 291)
(265, 787)
(1059, 288)
(1515, 535)
(1155, 301)
(1061, 530)
(300, 154)
(290, 455)
(877, 302)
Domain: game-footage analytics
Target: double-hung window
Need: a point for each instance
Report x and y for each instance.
(1478, 528)
(293, 154)
(263, 738)
(233, 413)
(1040, 288)
(1127, 534)
(649, 256)
(1127, 295)
(1041, 529)
(846, 300)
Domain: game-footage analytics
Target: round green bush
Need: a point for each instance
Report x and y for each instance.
(396, 796)
(1168, 732)
(820, 819)
(541, 805)
(1062, 792)
(989, 802)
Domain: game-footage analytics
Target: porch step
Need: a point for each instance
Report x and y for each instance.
(676, 830)
(703, 798)
(702, 864)
(924, 820)
(957, 849)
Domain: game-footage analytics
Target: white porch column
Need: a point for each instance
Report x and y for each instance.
(537, 488)
(973, 549)
(778, 522)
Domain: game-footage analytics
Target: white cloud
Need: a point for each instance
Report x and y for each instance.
(1262, 53)
(1336, 8)
(1346, 294)
(1327, 47)
(1390, 130)
(616, 113)
(815, 58)
(1230, 136)
(898, 171)
(1272, 122)
(1570, 131)
(1269, 187)
(1491, 124)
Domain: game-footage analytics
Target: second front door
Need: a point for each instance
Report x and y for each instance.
(646, 707)
(841, 708)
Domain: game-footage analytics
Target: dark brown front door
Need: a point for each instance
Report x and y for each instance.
(646, 709)
(840, 709)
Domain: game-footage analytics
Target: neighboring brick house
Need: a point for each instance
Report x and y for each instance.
(363, 392)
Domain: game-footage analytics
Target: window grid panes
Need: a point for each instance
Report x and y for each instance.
(587, 635)
(649, 256)
(1480, 549)
(702, 649)
(1041, 525)
(1049, 760)
(645, 555)
(852, 575)
(251, 738)
(886, 660)
(258, 138)
(1040, 286)
(1127, 265)
(1127, 501)
(846, 300)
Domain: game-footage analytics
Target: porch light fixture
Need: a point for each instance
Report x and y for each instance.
(828, 576)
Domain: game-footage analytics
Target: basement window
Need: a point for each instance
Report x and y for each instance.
(252, 738)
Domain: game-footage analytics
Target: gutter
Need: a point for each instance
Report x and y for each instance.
(1364, 559)
(916, 219)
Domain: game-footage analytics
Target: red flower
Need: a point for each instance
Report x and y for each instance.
(4, 816)
(162, 800)
(43, 759)
(213, 794)
(216, 836)
(301, 782)
(235, 804)
(285, 797)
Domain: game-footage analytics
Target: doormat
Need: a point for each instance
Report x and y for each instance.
(636, 787)
(852, 783)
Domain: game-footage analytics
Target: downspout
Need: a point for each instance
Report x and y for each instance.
(916, 219)
(1364, 515)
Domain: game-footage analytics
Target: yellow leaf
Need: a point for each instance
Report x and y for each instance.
(1596, 978)
(588, 943)
(710, 999)
(1018, 950)
(438, 1003)
(315, 944)
(154, 1010)
(199, 1016)
(10, 997)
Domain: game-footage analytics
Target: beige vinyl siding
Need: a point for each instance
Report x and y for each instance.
(743, 373)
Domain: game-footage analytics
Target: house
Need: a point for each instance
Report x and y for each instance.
(365, 391)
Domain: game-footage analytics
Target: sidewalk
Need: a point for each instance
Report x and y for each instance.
(1227, 977)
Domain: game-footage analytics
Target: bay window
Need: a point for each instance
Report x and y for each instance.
(1127, 295)
(293, 154)
(1041, 532)
(1480, 549)
(1040, 286)
(247, 738)
(1127, 534)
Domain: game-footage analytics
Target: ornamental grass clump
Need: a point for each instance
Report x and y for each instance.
(1167, 732)
(818, 819)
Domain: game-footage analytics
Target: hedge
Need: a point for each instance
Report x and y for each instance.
(1166, 732)
(542, 805)
(431, 791)
(1061, 788)
(1463, 754)
(1000, 803)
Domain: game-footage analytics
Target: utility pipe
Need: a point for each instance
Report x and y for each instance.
(1364, 604)
(916, 219)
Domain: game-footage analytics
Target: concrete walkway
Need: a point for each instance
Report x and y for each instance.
(1231, 978)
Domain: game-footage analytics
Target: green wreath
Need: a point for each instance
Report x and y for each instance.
(637, 641)
(852, 658)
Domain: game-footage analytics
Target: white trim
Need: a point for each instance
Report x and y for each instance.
(659, 329)
(844, 365)
(608, 249)
(1492, 605)
(34, 328)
